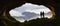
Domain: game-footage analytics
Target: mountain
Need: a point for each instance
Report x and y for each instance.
(30, 14)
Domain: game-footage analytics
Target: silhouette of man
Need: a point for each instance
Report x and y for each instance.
(43, 14)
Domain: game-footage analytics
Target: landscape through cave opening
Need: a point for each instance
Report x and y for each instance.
(30, 11)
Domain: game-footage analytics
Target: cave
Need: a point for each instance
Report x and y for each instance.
(7, 5)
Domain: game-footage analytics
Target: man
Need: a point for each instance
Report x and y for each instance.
(43, 14)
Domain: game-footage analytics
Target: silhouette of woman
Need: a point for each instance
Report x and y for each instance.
(41, 14)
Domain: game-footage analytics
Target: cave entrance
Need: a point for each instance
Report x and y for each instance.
(30, 11)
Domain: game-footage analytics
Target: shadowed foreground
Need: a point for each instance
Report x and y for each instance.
(33, 22)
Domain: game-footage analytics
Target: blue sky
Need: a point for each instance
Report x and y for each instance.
(31, 9)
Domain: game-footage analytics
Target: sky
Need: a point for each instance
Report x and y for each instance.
(29, 11)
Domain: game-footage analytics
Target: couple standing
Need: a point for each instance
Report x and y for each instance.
(42, 14)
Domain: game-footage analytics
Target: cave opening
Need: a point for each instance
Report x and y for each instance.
(30, 11)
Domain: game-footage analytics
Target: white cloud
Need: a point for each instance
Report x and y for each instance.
(15, 13)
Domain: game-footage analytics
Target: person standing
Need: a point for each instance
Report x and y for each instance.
(43, 14)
